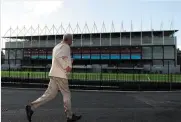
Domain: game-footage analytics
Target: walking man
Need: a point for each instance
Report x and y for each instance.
(61, 66)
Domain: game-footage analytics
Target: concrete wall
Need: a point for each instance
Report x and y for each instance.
(164, 69)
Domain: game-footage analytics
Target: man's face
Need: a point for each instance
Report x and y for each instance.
(69, 42)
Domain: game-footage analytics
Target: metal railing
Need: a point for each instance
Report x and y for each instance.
(87, 78)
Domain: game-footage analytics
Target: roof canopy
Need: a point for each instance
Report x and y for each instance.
(104, 34)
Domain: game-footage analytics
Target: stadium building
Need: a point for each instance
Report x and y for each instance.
(151, 51)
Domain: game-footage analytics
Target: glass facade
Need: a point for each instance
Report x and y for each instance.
(154, 48)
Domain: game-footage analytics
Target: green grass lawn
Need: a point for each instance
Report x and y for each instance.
(99, 76)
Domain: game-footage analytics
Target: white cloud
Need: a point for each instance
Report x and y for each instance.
(20, 13)
(43, 7)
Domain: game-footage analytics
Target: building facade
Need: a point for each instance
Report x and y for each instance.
(149, 50)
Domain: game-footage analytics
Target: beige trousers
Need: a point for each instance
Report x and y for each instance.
(56, 84)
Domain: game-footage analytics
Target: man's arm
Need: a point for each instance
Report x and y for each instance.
(64, 58)
(68, 67)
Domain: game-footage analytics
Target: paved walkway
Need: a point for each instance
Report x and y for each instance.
(96, 106)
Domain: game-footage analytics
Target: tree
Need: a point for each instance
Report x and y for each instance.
(178, 50)
(178, 56)
(2, 57)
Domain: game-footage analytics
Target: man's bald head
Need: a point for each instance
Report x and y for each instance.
(67, 38)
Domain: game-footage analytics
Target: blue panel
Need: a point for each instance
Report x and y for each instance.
(41, 57)
(49, 57)
(76, 56)
(85, 56)
(33, 57)
(115, 56)
(104, 56)
(135, 56)
(125, 56)
(95, 56)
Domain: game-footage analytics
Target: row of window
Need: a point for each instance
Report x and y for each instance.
(168, 52)
(96, 50)
(155, 62)
(95, 56)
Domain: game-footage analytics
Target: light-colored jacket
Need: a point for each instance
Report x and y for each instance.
(59, 64)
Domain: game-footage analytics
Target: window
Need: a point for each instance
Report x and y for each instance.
(146, 53)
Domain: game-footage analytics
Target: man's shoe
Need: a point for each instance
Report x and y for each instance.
(74, 118)
(29, 112)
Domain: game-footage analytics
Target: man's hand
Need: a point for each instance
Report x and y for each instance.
(68, 69)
